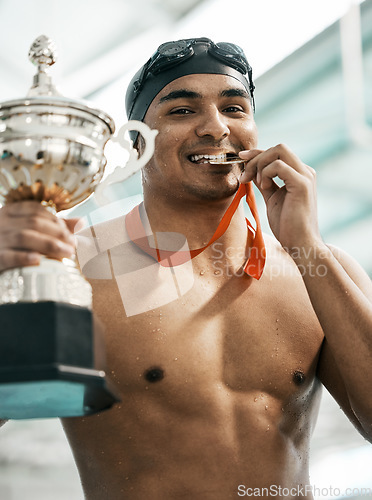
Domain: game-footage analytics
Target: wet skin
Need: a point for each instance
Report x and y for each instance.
(218, 387)
(219, 374)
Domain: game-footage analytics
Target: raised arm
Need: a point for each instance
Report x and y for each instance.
(339, 290)
(341, 295)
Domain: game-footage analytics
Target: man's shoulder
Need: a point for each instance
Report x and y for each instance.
(279, 264)
(95, 241)
(274, 248)
(107, 234)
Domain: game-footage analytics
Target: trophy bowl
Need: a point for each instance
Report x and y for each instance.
(51, 147)
(51, 150)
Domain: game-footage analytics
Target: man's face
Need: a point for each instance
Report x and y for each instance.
(198, 115)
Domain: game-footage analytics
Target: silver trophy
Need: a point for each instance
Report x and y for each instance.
(51, 151)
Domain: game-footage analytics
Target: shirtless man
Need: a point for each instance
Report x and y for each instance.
(221, 385)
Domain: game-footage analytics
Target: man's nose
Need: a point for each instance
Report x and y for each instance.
(212, 123)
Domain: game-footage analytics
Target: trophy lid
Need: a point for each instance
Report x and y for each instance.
(43, 54)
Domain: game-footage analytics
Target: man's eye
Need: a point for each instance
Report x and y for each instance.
(233, 109)
(180, 111)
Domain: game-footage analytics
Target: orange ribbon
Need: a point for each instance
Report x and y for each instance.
(254, 266)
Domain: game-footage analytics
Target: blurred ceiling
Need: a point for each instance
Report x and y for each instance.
(96, 41)
(319, 101)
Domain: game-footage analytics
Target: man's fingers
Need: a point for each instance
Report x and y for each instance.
(37, 224)
(33, 241)
(250, 168)
(28, 231)
(279, 154)
(22, 208)
(10, 259)
(249, 154)
(284, 155)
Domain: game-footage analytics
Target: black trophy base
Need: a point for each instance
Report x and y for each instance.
(47, 363)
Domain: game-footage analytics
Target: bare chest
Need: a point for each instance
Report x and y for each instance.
(239, 335)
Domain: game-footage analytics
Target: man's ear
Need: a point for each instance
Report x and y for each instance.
(139, 145)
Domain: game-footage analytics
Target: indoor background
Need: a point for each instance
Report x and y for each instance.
(312, 63)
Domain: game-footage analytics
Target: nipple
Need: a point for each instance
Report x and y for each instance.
(154, 374)
(299, 377)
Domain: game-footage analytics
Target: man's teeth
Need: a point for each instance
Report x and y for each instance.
(195, 158)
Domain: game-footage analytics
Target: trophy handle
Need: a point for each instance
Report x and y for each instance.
(134, 164)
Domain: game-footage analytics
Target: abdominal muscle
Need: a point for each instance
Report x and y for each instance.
(222, 445)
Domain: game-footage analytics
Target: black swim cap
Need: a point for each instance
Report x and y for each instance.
(173, 60)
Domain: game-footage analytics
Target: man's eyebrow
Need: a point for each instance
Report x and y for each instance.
(180, 94)
(235, 92)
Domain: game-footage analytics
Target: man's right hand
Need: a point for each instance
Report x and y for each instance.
(28, 231)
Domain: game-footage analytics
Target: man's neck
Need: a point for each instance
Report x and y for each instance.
(197, 221)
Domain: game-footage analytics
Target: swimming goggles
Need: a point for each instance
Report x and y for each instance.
(170, 54)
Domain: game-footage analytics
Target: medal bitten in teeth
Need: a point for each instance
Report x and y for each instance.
(221, 159)
(197, 158)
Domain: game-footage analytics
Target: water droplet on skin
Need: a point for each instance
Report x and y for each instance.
(175, 359)
(202, 272)
(268, 428)
(217, 272)
(255, 400)
(266, 407)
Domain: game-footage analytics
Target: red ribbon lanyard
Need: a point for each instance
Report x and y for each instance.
(253, 267)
